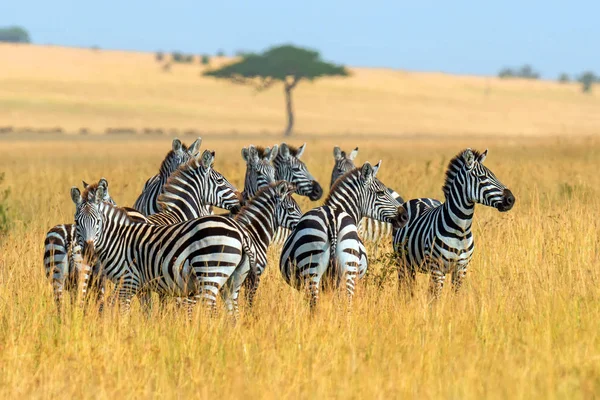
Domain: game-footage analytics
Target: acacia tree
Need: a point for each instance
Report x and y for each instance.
(286, 64)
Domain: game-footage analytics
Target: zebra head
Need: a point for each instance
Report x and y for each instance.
(88, 218)
(179, 155)
(378, 203)
(343, 163)
(259, 168)
(197, 182)
(287, 211)
(471, 181)
(288, 167)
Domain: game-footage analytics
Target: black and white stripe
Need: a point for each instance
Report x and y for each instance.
(147, 202)
(437, 238)
(186, 194)
(289, 167)
(326, 243)
(195, 257)
(60, 260)
(259, 168)
(369, 229)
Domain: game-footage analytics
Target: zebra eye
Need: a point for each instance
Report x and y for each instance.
(381, 193)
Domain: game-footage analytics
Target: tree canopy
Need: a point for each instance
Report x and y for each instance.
(14, 34)
(287, 64)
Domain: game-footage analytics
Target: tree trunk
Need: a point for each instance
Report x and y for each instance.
(289, 108)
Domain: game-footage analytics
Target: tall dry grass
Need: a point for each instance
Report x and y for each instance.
(525, 325)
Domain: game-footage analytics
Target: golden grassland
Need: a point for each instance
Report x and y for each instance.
(45, 86)
(525, 325)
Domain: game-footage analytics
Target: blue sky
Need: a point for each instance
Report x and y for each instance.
(464, 37)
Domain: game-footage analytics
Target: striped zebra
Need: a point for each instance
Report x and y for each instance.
(259, 168)
(62, 258)
(147, 202)
(196, 257)
(289, 167)
(369, 229)
(325, 243)
(437, 238)
(59, 264)
(185, 196)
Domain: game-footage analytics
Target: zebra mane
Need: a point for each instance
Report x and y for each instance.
(261, 151)
(179, 174)
(293, 150)
(454, 166)
(122, 212)
(170, 154)
(90, 190)
(339, 181)
(241, 214)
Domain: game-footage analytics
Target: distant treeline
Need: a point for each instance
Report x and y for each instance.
(108, 131)
(586, 78)
(14, 34)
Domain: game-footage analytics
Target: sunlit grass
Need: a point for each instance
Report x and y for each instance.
(525, 325)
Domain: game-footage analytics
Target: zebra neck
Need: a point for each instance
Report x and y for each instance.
(259, 220)
(345, 200)
(182, 199)
(166, 169)
(115, 228)
(458, 209)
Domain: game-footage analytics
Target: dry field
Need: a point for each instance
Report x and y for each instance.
(525, 326)
(43, 87)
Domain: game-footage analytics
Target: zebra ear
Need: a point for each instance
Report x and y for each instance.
(482, 157)
(376, 168)
(366, 173)
(176, 144)
(76, 195)
(85, 185)
(195, 147)
(337, 153)
(253, 154)
(284, 150)
(245, 154)
(103, 182)
(300, 151)
(354, 153)
(208, 158)
(100, 193)
(469, 158)
(273, 153)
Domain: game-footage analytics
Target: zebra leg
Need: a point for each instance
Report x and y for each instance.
(146, 302)
(312, 274)
(458, 277)
(251, 284)
(437, 282)
(231, 290)
(127, 292)
(348, 257)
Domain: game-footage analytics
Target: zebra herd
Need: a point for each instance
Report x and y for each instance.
(173, 244)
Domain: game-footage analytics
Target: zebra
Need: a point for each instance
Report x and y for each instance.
(325, 243)
(289, 167)
(185, 196)
(59, 259)
(259, 168)
(437, 238)
(369, 229)
(194, 257)
(147, 202)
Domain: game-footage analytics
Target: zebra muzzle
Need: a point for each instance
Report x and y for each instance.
(401, 219)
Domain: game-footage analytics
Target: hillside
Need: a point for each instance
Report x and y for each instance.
(45, 86)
